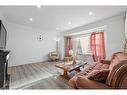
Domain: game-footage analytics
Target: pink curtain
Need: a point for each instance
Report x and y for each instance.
(97, 46)
(68, 45)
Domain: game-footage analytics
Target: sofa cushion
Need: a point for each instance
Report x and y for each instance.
(116, 61)
(99, 75)
(54, 54)
(113, 72)
(116, 58)
(85, 83)
(100, 66)
(95, 66)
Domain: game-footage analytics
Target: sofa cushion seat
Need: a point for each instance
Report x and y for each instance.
(85, 83)
(99, 75)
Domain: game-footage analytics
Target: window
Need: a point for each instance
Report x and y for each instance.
(90, 44)
(81, 46)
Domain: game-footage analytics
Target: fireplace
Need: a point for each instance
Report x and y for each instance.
(4, 77)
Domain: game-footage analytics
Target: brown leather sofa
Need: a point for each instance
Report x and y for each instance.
(117, 77)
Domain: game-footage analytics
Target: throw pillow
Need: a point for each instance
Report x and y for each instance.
(53, 54)
(99, 75)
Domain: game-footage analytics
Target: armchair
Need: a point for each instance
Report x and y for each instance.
(53, 56)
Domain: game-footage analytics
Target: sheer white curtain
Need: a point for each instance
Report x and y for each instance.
(74, 45)
(125, 46)
(126, 26)
(85, 44)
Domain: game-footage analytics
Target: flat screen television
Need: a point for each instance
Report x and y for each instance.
(3, 35)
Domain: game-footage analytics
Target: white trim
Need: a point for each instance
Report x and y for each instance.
(87, 32)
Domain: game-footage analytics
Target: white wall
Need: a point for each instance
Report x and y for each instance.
(61, 46)
(24, 46)
(114, 33)
(2, 17)
(126, 25)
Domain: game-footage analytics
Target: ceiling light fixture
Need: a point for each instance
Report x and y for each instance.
(69, 22)
(30, 19)
(90, 13)
(57, 28)
(38, 6)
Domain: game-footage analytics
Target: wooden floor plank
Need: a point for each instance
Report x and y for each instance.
(42, 75)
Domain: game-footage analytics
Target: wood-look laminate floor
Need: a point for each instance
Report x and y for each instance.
(36, 76)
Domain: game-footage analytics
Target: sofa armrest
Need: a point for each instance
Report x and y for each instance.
(85, 83)
(105, 61)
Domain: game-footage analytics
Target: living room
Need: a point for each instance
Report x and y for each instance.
(66, 32)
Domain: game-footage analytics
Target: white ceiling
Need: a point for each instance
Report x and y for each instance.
(51, 17)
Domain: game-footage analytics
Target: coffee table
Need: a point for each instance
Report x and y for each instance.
(69, 67)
